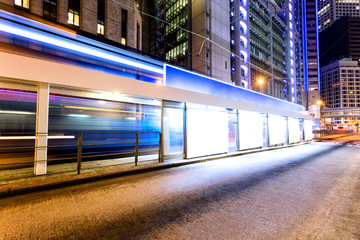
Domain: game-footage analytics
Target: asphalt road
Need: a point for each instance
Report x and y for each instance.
(304, 192)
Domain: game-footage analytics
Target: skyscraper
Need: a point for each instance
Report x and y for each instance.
(347, 41)
(170, 31)
(332, 10)
(339, 26)
(259, 41)
(191, 34)
(340, 90)
(310, 54)
(263, 35)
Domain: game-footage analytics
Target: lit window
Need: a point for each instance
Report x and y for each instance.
(100, 28)
(22, 3)
(123, 41)
(74, 12)
(124, 19)
(73, 17)
(101, 17)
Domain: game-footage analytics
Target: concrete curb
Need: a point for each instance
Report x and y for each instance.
(30, 186)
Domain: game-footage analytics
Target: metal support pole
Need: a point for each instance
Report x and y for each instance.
(237, 130)
(136, 148)
(267, 131)
(185, 131)
(79, 153)
(161, 153)
(287, 135)
(162, 131)
(42, 116)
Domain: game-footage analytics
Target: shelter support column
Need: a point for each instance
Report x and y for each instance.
(42, 116)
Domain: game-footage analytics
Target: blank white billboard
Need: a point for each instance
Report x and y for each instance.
(294, 130)
(308, 130)
(207, 132)
(250, 130)
(277, 129)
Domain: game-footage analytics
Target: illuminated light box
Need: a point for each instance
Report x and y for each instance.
(277, 129)
(294, 130)
(207, 132)
(308, 130)
(173, 131)
(250, 130)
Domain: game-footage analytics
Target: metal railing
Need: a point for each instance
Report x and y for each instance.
(324, 133)
(17, 150)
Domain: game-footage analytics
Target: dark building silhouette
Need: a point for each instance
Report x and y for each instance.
(341, 39)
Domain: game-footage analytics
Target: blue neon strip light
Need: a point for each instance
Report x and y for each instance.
(182, 79)
(317, 43)
(305, 50)
(62, 40)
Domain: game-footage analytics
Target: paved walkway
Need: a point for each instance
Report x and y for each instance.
(20, 181)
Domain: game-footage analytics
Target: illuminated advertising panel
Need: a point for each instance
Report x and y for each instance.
(308, 130)
(173, 131)
(294, 130)
(277, 129)
(207, 132)
(250, 130)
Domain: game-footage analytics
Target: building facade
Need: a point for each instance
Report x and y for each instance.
(116, 21)
(346, 45)
(170, 29)
(332, 10)
(191, 34)
(340, 90)
(310, 56)
(340, 19)
(259, 42)
(298, 52)
(263, 46)
(210, 40)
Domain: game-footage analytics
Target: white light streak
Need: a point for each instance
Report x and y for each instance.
(33, 137)
(78, 115)
(75, 47)
(17, 112)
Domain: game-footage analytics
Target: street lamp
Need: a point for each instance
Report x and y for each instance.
(260, 81)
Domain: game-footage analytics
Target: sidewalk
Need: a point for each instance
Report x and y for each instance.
(63, 176)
